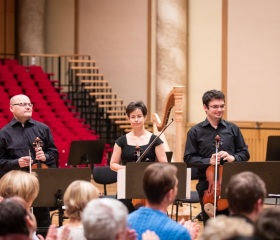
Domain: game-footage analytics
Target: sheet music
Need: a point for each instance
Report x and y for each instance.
(132, 174)
(274, 195)
(188, 184)
(121, 184)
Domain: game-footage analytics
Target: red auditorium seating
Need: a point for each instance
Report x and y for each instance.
(4, 100)
(10, 63)
(3, 120)
(49, 106)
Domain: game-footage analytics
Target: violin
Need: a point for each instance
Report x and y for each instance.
(36, 144)
(137, 152)
(212, 196)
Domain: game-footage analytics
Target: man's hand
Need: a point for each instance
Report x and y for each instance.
(131, 234)
(24, 161)
(150, 235)
(213, 159)
(192, 227)
(224, 155)
(40, 155)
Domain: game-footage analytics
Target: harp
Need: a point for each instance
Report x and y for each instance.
(174, 99)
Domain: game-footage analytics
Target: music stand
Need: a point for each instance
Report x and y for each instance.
(53, 183)
(130, 182)
(273, 148)
(86, 152)
(268, 171)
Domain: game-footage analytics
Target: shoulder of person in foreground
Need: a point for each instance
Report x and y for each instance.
(158, 222)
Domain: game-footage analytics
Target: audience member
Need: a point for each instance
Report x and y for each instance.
(267, 226)
(76, 196)
(19, 183)
(16, 221)
(26, 186)
(224, 228)
(106, 219)
(160, 186)
(245, 193)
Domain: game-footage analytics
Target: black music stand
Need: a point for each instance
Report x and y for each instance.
(268, 171)
(86, 152)
(53, 183)
(133, 179)
(273, 148)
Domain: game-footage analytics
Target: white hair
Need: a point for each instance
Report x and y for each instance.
(104, 218)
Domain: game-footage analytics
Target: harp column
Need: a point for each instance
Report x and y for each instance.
(171, 59)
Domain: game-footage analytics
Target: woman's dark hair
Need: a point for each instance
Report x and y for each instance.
(136, 105)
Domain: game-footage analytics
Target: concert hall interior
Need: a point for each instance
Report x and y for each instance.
(81, 62)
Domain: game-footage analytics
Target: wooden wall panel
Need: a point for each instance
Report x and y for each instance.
(257, 142)
(7, 27)
(2, 25)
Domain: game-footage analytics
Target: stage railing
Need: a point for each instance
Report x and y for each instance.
(53, 63)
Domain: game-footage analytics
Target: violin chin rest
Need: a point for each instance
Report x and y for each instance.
(209, 209)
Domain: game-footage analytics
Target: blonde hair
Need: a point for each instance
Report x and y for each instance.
(21, 184)
(76, 196)
(224, 227)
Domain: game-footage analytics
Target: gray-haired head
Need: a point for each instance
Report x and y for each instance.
(104, 219)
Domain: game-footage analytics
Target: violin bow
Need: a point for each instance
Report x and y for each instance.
(153, 142)
(217, 140)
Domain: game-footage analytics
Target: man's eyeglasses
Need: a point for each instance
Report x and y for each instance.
(217, 106)
(23, 104)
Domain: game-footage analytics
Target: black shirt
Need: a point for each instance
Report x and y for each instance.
(16, 141)
(201, 144)
(128, 151)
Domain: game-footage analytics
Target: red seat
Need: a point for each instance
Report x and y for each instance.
(16, 69)
(3, 122)
(10, 62)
